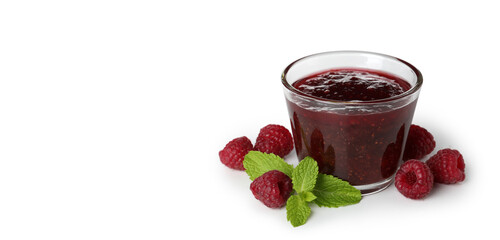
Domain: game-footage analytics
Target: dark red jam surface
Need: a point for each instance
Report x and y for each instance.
(352, 84)
(359, 148)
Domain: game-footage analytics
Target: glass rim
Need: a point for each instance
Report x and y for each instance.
(409, 92)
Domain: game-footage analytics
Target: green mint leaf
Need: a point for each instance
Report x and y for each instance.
(307, 196)
(297, 210)
(304, 175)
(333, 192)
(257, 163)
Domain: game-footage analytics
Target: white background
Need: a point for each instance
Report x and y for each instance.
(112, 114)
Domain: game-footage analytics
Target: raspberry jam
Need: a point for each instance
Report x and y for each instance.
(361, 147)
(352, 85)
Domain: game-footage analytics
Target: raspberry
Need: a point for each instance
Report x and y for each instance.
(419, 143)
(274, 139)
(448, 166)
(234, 152)
(272, 188)
(414, 179)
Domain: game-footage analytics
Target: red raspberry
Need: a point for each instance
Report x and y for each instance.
(448, 166)
(414, 179)
(234, 152)
(274, 139)
(419, 143)
(272, 188)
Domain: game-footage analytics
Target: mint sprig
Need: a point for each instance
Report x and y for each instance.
(257, 163)
(297, 210)
(303, 180)
(304, 175)
(309, 185)
(333, 192)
